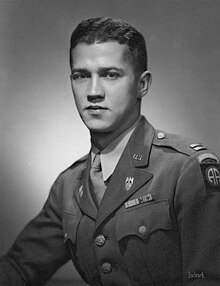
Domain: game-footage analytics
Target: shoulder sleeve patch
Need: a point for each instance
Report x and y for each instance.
(210, 168)
(211, 176)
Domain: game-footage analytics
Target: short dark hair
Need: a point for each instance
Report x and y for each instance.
(104, 29)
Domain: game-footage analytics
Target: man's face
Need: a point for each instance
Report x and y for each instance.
(104, 86)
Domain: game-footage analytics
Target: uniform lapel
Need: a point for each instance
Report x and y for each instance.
(86, 202)
(131, 168)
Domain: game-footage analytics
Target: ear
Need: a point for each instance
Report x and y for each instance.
(144, 83)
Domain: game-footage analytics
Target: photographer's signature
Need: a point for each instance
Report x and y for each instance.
(196, 275)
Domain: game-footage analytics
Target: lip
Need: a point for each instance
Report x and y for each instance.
(96, 110)
(95, 107)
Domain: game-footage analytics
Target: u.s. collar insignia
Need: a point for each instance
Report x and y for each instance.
(129, 183)
(137, 157)
(81, 191)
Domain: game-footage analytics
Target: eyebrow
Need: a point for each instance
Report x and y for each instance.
(100, 70)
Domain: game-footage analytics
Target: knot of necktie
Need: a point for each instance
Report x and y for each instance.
(97, 163)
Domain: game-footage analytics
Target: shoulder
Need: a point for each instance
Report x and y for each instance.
(193, 153)
(68, 180)
(75, 169)
(185, 149)
(183, 145)
(193, 161)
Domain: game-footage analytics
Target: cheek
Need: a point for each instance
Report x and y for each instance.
(79, 104)
(125, 95)
(78, 95)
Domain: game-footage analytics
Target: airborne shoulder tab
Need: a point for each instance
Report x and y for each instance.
(207, 158)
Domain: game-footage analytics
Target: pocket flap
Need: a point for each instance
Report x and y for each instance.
(143, 220)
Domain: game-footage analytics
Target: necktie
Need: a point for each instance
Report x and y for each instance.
(97, 185)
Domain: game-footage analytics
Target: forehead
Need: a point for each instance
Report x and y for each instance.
(108, 53)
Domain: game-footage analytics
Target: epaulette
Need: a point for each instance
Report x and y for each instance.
(178, 143)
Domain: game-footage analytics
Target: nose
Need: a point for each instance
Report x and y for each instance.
(95, 91)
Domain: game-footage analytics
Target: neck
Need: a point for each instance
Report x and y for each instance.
(102, 139)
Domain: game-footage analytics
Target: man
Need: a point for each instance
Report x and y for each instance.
(142, 208)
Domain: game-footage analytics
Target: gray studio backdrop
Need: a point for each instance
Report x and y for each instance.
(41, 132)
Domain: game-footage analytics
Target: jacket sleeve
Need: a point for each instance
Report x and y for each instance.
(39, 250)
(197, 204)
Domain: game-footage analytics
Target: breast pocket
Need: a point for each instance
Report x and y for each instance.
(149, 242)
(144, 219)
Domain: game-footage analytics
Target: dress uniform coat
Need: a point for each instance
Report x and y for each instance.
(158, 222)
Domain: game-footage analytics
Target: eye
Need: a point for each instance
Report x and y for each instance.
(112, 75)
(79, 76)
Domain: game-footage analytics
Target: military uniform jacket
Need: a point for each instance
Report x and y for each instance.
(158, 222)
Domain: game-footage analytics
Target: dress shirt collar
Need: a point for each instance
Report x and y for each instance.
(111, 154)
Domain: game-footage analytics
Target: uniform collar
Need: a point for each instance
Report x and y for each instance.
(111, 154)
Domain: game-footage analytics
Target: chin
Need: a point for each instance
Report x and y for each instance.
(98, 130)
(98, 127)
(100, 124)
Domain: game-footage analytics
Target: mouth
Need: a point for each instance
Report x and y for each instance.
(95, 107)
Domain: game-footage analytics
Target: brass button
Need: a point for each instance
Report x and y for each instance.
(106, 268)
(100, 240)
(142, 229)
(160, 135)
